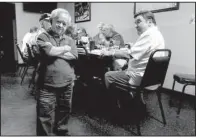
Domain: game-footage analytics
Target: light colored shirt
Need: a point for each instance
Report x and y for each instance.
(31, 40)
(147, 42)
(25, 40)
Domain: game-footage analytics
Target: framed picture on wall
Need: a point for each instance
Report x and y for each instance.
(82, 11)
(156, 7)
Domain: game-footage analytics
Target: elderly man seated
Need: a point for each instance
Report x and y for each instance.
(150, 39)
(29, 39)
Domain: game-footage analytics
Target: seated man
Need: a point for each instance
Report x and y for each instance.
(150, 39)
(45, 22)
(28, 39)
(31, 39)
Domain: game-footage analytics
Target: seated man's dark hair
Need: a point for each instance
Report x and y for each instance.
(147, 15)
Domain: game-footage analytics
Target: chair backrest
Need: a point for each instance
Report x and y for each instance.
(31, 59)
(156, 69)
(30, 56)
(36, 52)
(20, 53)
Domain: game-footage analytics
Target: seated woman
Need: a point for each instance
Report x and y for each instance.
(112, 37)
(113, 40)
(99, 38)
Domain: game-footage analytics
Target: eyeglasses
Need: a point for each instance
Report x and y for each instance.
(63, 23)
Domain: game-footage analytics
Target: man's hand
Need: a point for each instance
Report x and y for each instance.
(106, 53)
(67, 48)
(48, 43)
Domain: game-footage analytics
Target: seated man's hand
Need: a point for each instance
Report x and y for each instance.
(84, 40)
(114, 47)
(106, 53)
(98, 46)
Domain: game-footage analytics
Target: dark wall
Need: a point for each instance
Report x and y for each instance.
(39, 7)
(7, 63)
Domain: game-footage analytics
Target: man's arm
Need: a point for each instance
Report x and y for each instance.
(141, 46)
(67, 56)
(58, 51)
(49, 49)
(121, 54)
(73, 54)
(118, 40)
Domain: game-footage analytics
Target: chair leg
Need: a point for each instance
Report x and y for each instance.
(24, 74)
(161, 107)
(23, 71)
(20, 70)
(181, 99)
(33, 77)
(170, 100)
(138, 128)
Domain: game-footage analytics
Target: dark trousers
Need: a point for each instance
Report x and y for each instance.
(116, 77)
(54, 107)
(112, 78)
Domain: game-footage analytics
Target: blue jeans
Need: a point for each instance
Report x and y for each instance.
(54, 107)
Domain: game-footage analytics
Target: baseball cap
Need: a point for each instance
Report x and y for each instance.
(44, 16)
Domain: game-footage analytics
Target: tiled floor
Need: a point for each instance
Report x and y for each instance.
(18, 113)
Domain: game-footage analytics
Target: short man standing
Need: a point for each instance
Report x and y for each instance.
(56, 74)
(150, 39)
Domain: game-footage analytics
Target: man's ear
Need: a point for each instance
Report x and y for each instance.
(149, 22)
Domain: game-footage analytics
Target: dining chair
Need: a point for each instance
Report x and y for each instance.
(186, 80)
(30, 63)
(154, 75)
(22, 66)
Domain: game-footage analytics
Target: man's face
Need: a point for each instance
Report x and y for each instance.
(60, 24)
(80, 33)
(45, 24)
(141, 24)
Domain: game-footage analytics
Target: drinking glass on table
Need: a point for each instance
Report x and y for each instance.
(92, 45)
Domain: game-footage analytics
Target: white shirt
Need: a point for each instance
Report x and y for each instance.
(147, 42)
(25, 40)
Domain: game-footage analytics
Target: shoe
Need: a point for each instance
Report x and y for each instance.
(63, 133)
